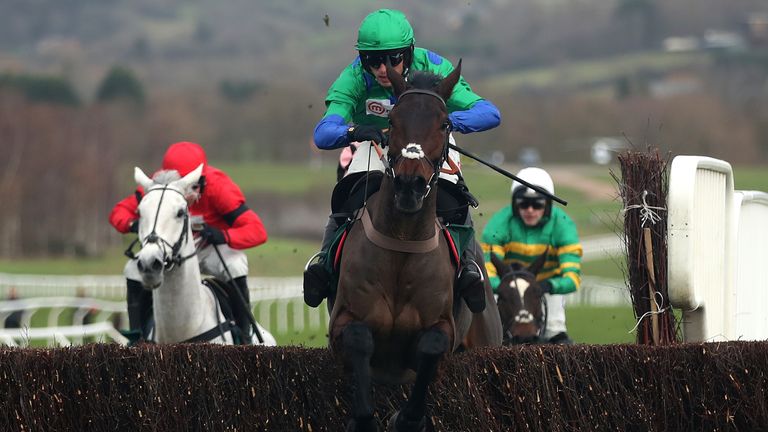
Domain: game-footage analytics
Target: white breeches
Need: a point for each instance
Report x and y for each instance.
(555, 315)
(366, 159)
(210, 264)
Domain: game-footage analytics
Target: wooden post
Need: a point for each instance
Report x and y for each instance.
(651, 285)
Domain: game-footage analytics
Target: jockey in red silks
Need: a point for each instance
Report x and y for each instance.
(227, 222)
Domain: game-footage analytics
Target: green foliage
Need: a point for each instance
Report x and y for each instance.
(42, 89)
(120, 83)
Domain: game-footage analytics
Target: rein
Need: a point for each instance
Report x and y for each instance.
(175, 258)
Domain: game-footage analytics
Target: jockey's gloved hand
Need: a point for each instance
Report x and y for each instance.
(213, 235)
(546, 287)
(366, 133)
(134, 228)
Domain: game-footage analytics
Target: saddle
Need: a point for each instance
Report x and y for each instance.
(351, 192)
(349, 195)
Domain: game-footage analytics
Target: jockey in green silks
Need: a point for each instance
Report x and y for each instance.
(357, 109)
(529, 227)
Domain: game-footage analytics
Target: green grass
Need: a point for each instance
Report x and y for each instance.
(750, 178)
(278, 257)
(606, 268)
(586, 324)
(591, 71)
(293, 180)
(600, 325)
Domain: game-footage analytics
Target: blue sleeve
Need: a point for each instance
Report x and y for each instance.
(331, 133)
(482, 116)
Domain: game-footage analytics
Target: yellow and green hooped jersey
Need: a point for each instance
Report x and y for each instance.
(509, 238)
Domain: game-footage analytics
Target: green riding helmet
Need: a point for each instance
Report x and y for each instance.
(384, 29)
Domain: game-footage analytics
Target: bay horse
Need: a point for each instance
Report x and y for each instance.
(395, 314)
(184, 308)
(521, 301)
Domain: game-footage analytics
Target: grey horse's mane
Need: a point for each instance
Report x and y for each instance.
(165, 177)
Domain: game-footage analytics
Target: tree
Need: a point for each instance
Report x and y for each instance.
(43, 89)
(120, 84)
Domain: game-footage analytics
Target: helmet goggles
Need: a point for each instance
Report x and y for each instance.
(527, 202)
(374, 59)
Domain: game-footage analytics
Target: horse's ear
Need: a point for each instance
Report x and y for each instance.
(536, 266)
(397, 80)
(501, 268)
(185, 182)
(445, 87)
(142, 179)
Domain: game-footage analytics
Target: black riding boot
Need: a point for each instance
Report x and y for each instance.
(139, 311)
(469, 283)
(243, 315)
(317, 280)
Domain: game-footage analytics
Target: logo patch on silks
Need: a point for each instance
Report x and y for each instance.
(378, 107)
(412, 151)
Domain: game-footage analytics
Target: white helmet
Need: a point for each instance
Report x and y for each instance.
(536, 177)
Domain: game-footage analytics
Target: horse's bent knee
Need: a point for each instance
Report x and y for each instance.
(433, 342)
(357, 336)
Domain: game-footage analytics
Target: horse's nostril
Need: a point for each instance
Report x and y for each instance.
(140, 265)
(157, 265)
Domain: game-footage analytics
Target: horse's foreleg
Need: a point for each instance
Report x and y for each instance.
(433, 344)
(357, 342)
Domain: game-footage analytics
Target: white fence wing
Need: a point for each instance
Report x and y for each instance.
(700, 257)
(751, 282)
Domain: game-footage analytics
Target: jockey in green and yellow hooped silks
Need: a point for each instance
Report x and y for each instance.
(357, 109)
(525, 229)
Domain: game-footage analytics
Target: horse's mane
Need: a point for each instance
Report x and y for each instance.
(165, 177)
(424, 80)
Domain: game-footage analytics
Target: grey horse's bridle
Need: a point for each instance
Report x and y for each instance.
(175, 258)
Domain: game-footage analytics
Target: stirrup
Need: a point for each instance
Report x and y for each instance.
(470, 287)
(318, 255)
(468, 264)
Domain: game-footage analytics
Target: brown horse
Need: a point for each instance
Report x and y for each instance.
(521, 301)
(395, 314)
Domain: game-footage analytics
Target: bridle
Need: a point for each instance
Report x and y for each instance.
(392, 160)
(174, 258)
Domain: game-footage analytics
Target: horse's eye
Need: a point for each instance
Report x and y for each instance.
(180, 213)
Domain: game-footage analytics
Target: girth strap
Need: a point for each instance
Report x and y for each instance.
(217, 330)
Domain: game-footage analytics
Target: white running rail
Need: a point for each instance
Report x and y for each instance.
(277, 302)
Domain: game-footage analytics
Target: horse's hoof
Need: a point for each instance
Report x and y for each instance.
(397, 424)
(362, 425)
